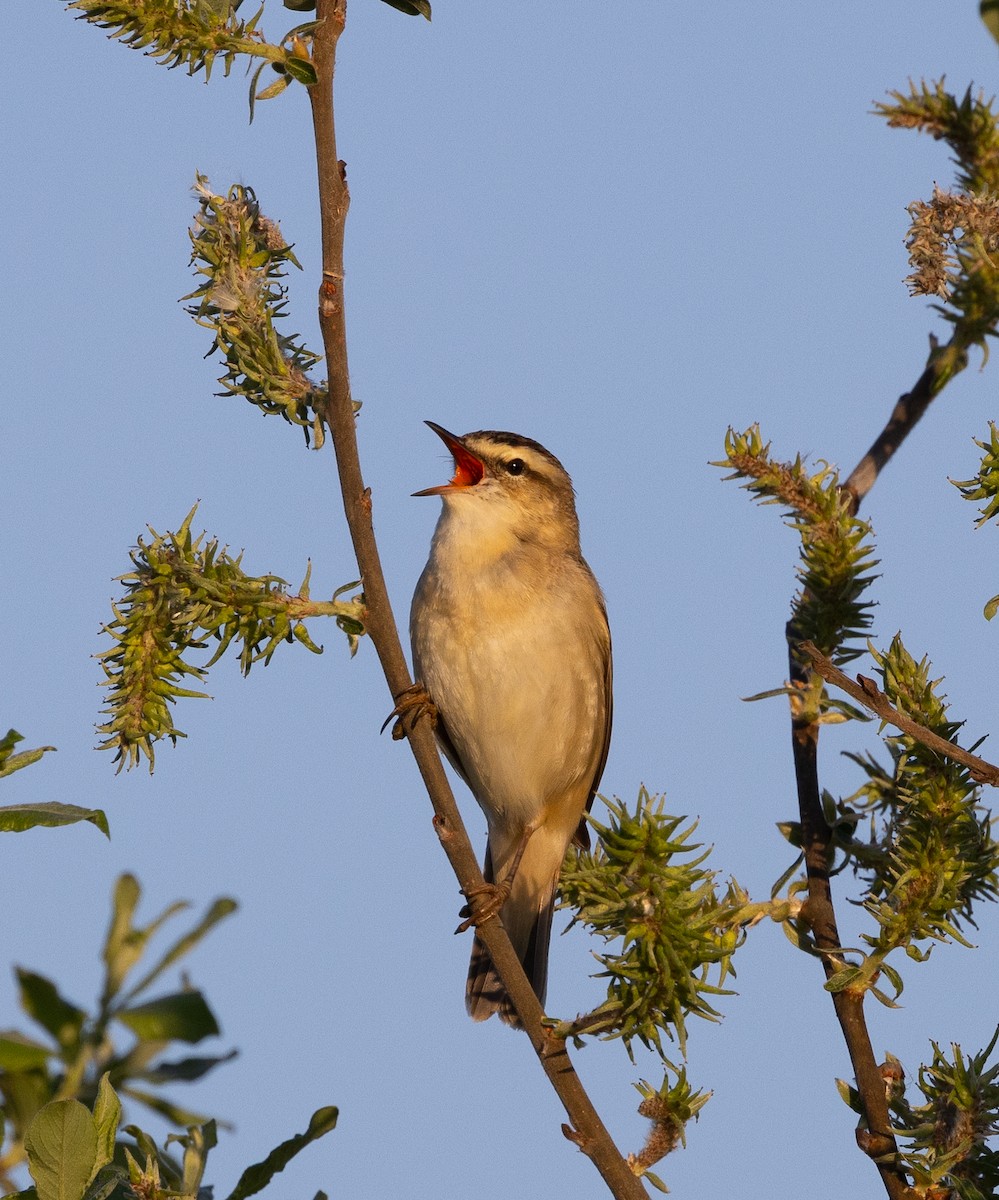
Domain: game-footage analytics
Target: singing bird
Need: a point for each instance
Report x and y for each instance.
(510, 639)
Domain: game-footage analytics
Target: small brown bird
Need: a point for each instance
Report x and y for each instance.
(510, 639)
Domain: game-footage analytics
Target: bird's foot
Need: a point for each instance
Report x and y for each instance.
(411, 705)
(484, 903)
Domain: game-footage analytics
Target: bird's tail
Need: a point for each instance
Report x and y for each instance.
(529, 926)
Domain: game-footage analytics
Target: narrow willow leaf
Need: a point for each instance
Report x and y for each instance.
(108, 1180)
(16, 818)
(10, 762)
(258, 1176)
(123, 944)
(412, 8)
(61, 1144)
(41, 1000)
(186, 1069)
(221, 908)
(174, 1114)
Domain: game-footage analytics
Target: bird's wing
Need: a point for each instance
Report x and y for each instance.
(581, 837)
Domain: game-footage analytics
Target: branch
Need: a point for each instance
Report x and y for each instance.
(867, 692)
(588, 1130)
(877, 1140)
(942, 365)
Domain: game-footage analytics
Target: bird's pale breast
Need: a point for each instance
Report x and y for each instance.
(517, 672)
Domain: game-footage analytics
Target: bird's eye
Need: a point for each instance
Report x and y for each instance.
(516, 466)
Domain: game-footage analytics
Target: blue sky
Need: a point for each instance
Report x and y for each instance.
(615, 232)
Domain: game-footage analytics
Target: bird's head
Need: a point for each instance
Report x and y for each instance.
(508, 485)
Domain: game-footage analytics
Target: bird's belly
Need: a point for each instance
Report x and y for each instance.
(523, 703)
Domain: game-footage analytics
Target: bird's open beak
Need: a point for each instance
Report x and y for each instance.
(468, 469)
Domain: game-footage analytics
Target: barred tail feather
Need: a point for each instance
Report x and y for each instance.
(484, 990)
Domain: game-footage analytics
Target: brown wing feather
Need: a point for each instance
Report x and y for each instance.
(581, 838)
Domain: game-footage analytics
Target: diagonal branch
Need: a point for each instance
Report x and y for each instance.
(867, 692)
(588, 1130)
(942, 365)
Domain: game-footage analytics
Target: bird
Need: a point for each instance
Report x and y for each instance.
(510, 640)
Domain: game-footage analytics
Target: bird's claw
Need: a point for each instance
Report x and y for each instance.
(484, 903)
(411, 705)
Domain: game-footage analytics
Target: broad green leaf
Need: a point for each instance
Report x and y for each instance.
(221, 908)
(19, 1053)
(183, 1016)
(107, 1115)
(302, 70)
(993, 605)
(258, 1176)
(16, 818)
(61, 1144)
(40, 999)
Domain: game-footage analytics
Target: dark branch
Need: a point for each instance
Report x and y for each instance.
(867, 692)
(942, 365)
(820, 914)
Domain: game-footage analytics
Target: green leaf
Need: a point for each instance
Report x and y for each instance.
(300, 5)
(259, 1175)
(107, 1115)
(412, 8)
(221, 908)
(993, 605)
(19, 1053)
(274, 89)
(16, 818)
(61, 1144)
(989, 10)
(198, 1142)
(186, 1070)
(172, 1113)
(302, 70)
(183, 1016)
(123, 944)
(106, 1182)
(28, 1194)
(11, 762)
(40, 999)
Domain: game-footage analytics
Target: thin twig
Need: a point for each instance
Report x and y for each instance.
(867, 692)
(588, 1131)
